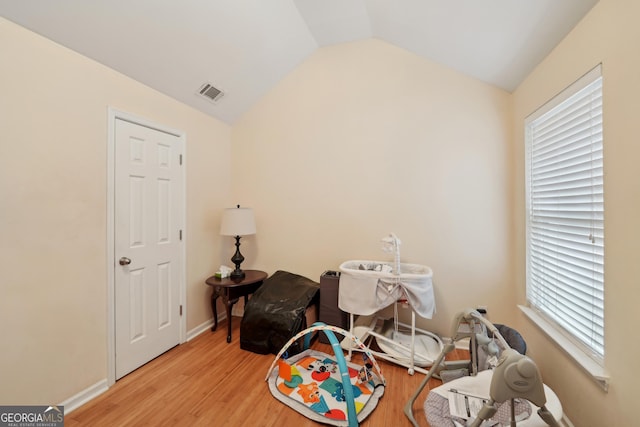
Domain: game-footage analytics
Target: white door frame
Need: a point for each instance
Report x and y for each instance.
(114, 115)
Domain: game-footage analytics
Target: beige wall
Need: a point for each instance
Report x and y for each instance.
(361, 140)
(609, 34)
(53, 211)
(364, 139)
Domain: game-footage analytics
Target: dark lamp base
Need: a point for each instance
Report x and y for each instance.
(237, 275)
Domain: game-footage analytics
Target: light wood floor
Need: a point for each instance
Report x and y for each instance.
(207, 382)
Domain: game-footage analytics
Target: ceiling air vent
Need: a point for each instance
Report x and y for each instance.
(210, 92)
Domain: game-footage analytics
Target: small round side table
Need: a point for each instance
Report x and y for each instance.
(231, 291)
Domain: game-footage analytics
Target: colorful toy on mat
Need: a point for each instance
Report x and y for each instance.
(326, 388)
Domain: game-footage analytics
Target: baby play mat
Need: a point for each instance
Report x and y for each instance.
(325, 388)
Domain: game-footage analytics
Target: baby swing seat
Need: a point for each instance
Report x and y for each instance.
(504, 388)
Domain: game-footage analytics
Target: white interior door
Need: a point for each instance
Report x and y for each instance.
(147, 226)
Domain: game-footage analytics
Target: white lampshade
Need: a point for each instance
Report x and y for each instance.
(238, 222)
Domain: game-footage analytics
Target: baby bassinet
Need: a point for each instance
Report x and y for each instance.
(366, 287)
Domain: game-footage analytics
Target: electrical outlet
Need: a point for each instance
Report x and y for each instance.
(483, 309)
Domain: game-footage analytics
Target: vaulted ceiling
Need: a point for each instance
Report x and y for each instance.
(244, 47)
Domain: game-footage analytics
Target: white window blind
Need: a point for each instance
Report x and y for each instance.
(565, 225)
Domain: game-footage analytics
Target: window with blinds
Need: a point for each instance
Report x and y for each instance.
(565, 207)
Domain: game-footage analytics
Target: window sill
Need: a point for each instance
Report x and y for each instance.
(590, 366)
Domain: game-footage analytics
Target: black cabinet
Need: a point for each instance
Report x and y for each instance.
(329, 311)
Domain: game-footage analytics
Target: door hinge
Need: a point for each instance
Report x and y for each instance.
(180, 309)
(180, 233)
(180, 159)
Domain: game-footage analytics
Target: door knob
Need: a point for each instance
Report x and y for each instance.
(124, 261)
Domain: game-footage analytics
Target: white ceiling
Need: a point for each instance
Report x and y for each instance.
(244, 47)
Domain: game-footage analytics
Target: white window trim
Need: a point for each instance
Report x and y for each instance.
(594, 368)
(577, 354)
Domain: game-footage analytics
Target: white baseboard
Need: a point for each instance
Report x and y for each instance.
(462, 344)
(84, 396)
(203, 327)
(100, 387)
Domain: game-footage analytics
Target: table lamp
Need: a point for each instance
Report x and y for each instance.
(237, 222)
